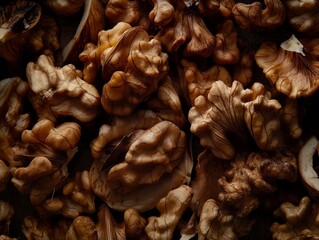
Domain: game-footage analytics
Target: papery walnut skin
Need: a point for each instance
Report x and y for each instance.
(292, 73)
(171, 209)
(255, 17)
(61, 92)
(92, 22)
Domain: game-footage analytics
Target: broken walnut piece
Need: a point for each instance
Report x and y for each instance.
(171, 209)
(64, 137)
(292, 70)
(299, 222)
(82, 227)
(253, 16)
(58, 91)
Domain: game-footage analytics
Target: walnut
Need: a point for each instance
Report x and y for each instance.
(64, 137)
(12, 93)
(133, 69)
(254, 16)
(200, 81)
(171, 209)
(91, 55)
(254, 175)
(65, 8)
(82, 228)
(189, 30)
(134, 167)
(77, 197)
(60, 91)
(132, 12)
(299, 221)
(293, 70)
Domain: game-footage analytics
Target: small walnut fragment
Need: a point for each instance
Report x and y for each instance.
(199, 81)
(133, 12)
(290, 67)
(82, 228)
(171, 209)
(133, 69)
(254, 16)
(226, 50)
(303, 16)
(58, 92)
(162, 13)
(77, 197)
(300, 222)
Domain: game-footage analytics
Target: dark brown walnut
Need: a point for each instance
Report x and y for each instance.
(187, 30)
(7, 213)
(91, 56)
(58, 92)
(140, 162)
(134, 224)
(76, 198)
(253, 176)
(303, 16)
(216, 8)
(4, 175)
(133, 12)
(254, 16)
(132, 69)
(171, 209)
(65, 8)
(82, 228)
(226, 50)
(35, 227)
(24, 29)
(14, 121)
(296, 222)
(290, 67)
(91, 23)
(200, 81)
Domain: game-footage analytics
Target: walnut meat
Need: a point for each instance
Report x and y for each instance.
(60, 91)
